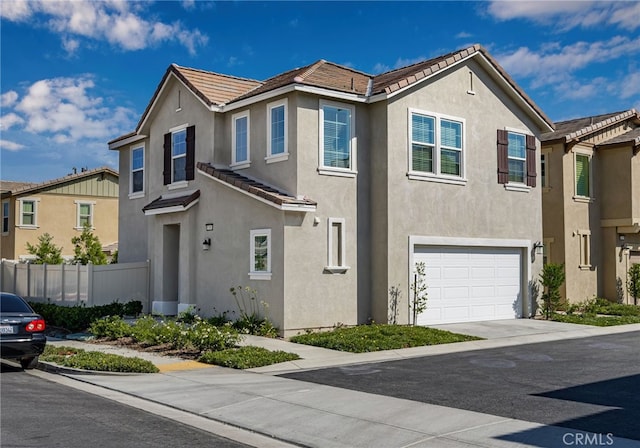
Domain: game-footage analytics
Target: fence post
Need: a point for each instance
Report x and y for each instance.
(77, 283)
(89, 284)
(44, 280)
(62, 294)
(15, 277)
(29, 280)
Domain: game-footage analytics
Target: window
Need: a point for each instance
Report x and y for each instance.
(84, 214)
(28, 212)
(543, 170)
(277, 131)
(583, 175)
(337, 142)
(179, 155)
(436, 146)
(136, 181)
(585, 248)
(260, 255)
(240, 144)
(336, 262)
(5, 216)
(516, 160)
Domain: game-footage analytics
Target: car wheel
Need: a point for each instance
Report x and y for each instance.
(29, 363)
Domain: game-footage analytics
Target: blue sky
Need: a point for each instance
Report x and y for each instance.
(76, 74)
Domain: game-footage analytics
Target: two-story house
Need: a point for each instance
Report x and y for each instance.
(60, 207)
(323, 186)
(591, 202)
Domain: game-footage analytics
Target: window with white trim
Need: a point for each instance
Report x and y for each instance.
(240, 141)
(583, 175)
(436, 146)
(136, 181)
(336, 245)
(179, 155)
(584, 237)
(5, 216)
(28, 212)
(337, 138)
(260, 254)
(84, 214)
(277, 131)
(517, 157)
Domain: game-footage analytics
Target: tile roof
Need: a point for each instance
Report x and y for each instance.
(254, 187)
(181, 202)
(633, 136)
(8, 185)
(576, 128)
(27, 187)
(214, 88)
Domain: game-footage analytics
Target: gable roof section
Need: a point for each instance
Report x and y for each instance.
(35, 187)
(582, 127)
(172, 203)
(257, 190)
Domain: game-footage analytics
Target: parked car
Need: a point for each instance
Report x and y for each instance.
(22, 336)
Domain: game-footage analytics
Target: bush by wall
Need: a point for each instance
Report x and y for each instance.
(79, 317)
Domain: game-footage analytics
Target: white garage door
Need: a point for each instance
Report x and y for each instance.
(470, 284)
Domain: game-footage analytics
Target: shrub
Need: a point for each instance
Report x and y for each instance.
(104, 362)
(79, 317)
(633, 285)
(251, 320)
(111, 327)
(552, 277)
(247, 357)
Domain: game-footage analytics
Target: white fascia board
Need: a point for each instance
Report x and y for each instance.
(284, 207)
(127, 141)
(417, 240)
(174, 209)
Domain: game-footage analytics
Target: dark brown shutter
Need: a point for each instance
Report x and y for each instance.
(503, 156)
(167, 159)
(191, 153)
(531, 161)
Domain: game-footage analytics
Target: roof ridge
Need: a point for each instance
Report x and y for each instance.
(619, 116)
(68, 177)
(209, 72)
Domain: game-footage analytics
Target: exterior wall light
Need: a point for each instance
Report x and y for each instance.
(539, 248)
(206, 244)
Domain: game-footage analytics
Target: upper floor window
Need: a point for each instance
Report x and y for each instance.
(28, 212)
(337, 141)
(516, 160)
(583, 175)
(241, 144)
(277, 131)
(179, 155)
(436, 146)
(260, 254)
(543, 170)
(84, 214)
(5, 216)
(137, 170)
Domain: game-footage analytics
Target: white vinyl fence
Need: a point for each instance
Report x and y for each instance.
(68, 284)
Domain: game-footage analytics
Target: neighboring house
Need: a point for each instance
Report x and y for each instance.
(322, 186)
(59, 207)
(591, 202)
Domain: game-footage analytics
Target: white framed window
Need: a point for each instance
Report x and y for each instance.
(517, 157)
(337, 139)
(260, 254)
(29, 212)
(584, 240)
(436, 147)
(5, 216)
(583, 176)
(277, 141)
(240, 144)
(336, 246)
(179, 155)
(84, 214)
(136, 179)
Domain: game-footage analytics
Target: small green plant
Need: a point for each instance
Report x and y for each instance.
(394, 300)
(189, 315)
(633, 284)
(87, 247)
(103, 362)
(79, 317)
(111, 327)
(419, 292)
(247, 357)
(552, 277)
(250, 319)
(45, 251)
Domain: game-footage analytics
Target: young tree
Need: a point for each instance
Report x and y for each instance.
(88, 248)
(45, 251)
(419, 291)
(633, 284)
(552, 277)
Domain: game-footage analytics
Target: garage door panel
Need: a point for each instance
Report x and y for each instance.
(470, 283)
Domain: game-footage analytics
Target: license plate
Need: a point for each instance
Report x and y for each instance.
(7, 329)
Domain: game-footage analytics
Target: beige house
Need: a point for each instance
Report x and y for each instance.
(591, 202)
(322, 187)
(59, 207)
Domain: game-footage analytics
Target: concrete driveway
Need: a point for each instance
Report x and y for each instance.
(581, 383)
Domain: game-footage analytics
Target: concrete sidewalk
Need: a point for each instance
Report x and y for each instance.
(290, 412)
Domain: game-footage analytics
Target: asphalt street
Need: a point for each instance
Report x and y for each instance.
(588, 384)
(37, 412)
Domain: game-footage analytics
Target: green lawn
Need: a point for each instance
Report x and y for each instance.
(591, 319)
(371, 338)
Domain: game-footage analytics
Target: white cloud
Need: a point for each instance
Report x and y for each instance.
(10, 120)
(631, 85)
(118, 22)
(565, 15)
(10, 146)
(8, 99)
